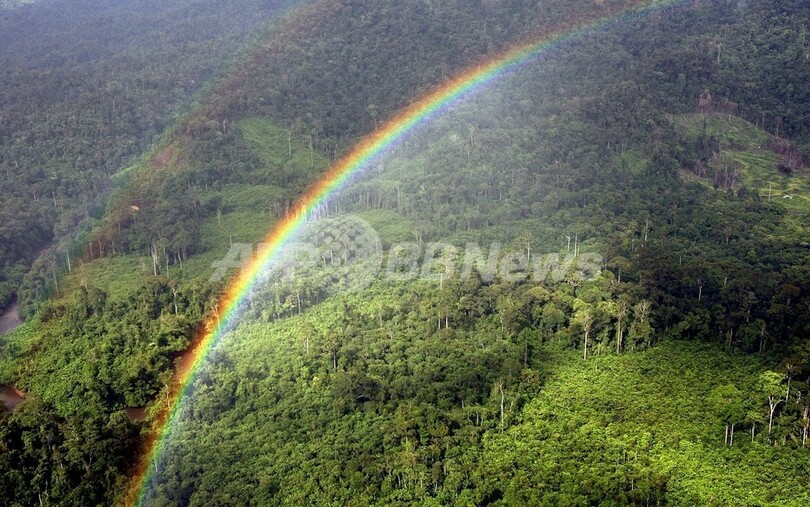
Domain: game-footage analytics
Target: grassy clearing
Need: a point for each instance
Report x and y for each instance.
(390, 225)
(283, 151)
(731, 130)
(760, 173)
(119, 276)
(252, 198)
(744, 149)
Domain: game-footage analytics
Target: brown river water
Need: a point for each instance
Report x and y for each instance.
(9, 320)
(11, 397)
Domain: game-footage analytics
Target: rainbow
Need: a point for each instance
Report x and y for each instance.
(359, 158)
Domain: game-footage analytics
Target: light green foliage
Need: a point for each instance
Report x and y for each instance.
(639, 428)
(14, 345)
(770, 384)
(726, 402)
(392, 227)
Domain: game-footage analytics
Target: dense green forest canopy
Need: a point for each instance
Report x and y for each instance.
(673, 145)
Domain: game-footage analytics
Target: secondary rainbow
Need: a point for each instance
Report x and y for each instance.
(360, 157)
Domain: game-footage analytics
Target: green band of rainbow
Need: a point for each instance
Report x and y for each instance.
(355, 161)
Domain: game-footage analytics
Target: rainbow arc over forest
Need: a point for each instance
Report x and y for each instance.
(360, 157)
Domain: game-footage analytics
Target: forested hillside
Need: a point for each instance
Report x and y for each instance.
(671, 144)
(86, 87)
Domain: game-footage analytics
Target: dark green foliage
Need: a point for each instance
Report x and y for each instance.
(50, 459)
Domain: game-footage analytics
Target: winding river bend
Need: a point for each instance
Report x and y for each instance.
(11, 397)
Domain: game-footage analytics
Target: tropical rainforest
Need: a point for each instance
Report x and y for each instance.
(650, 160)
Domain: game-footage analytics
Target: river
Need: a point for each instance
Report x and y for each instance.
(11, 397)
(10, 318)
